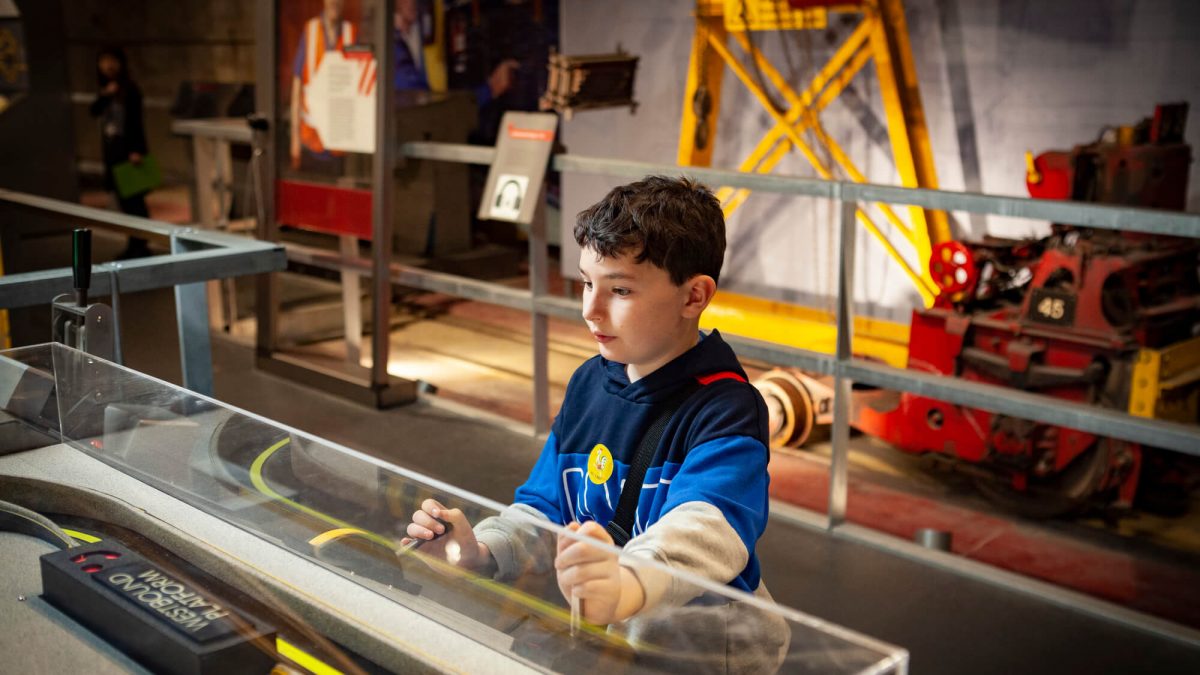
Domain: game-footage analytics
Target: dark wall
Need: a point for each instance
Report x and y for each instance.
(38, 144)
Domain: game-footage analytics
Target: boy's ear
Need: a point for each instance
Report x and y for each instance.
(700, 291)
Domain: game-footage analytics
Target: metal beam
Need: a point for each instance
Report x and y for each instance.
(85, 216)
(449, 152)
(383, 166)
(191, 320)
(839, 465)
(1076, 213)
(263, 168)
(1151, 221)
(1183, 438)
(604, 166)
(702, 93)
(36, 288)
(440, 282)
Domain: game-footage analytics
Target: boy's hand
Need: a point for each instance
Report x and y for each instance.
(458, 547)
(610, 592)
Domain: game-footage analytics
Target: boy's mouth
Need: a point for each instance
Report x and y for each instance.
(602, 338)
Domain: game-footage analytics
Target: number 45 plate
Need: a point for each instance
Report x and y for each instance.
(1052, 307)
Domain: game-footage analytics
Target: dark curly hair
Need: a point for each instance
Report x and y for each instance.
(675, 223)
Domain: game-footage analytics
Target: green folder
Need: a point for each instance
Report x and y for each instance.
(134, 179)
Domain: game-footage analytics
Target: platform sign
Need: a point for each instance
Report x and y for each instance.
(515, 178)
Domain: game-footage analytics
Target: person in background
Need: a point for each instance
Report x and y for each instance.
(410, 57)
(122, 133)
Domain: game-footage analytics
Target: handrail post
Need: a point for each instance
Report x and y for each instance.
(842, 386)
(383, 175)
(539, 283)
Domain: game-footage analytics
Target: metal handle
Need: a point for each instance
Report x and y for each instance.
(81, 263)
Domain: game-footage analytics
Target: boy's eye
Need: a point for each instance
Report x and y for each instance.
(587, 285)
(621, 291)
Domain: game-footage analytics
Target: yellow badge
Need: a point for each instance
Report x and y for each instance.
(600, 464)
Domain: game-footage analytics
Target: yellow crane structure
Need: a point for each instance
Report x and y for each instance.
(881, 35)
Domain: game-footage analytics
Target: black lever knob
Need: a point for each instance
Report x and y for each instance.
(81, 263)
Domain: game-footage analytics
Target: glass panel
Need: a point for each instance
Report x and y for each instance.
(348, 512)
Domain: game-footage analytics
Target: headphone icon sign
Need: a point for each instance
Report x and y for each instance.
(505, 195)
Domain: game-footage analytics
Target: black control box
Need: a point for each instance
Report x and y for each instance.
(168, 623)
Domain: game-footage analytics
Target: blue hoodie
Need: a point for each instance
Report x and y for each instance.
(713, 450)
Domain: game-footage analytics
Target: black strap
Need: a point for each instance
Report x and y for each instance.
(621, 525)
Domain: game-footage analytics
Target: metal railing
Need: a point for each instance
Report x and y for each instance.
(1036, 407)
(843, 366)
(196, 256)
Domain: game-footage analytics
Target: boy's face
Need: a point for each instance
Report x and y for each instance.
(636, 314)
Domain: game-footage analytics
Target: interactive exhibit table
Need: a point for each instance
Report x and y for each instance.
(144, 527)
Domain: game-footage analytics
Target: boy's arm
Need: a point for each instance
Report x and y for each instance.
(516, 545)
(714, 514)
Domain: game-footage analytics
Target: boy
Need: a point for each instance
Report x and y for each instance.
(651, 256)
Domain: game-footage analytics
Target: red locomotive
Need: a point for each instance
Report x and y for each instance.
(1101, 317)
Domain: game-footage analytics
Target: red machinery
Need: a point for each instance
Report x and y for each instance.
(1079, 315)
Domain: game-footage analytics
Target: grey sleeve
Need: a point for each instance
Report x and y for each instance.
(517, 545)
(693, 537)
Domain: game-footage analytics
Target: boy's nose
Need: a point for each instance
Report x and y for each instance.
(592, 310)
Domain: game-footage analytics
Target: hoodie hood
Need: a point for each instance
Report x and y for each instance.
(710, 355)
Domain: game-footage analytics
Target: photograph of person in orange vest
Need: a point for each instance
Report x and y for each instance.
(330, 30)
(661, 399)
(336, 28)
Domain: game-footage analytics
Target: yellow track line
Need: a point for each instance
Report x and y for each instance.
(261, 485)
(303, 659)
(532, 602)
(335, 534)
(86, 538)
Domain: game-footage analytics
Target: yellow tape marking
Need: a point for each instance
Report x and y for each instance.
(303, 659)
(86, 538)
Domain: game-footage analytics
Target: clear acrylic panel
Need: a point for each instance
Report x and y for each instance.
(348, 512)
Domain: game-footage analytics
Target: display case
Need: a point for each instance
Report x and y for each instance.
(307, 534)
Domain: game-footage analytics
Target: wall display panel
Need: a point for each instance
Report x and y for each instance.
(325, 126)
